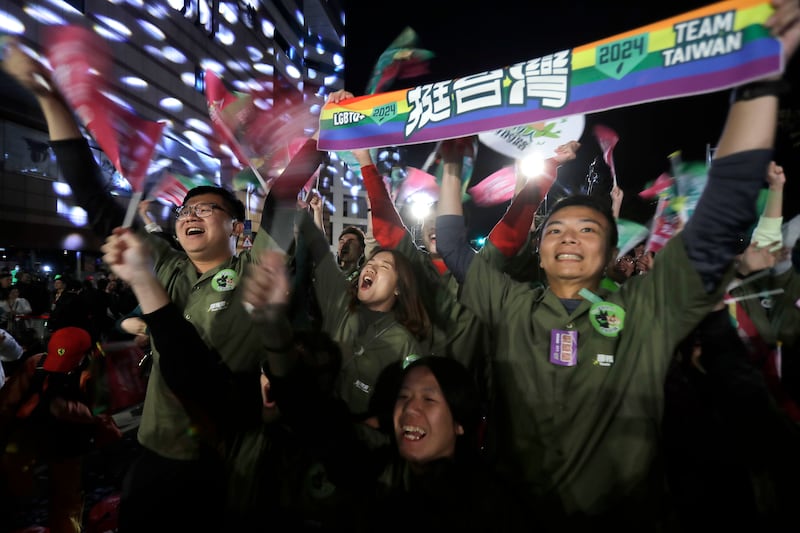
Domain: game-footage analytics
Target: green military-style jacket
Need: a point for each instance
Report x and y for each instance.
(364, 356)
(212, 303)
(456, 331)
(584, 437)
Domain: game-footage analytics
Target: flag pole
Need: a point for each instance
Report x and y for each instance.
(136, 197)
(258, 176)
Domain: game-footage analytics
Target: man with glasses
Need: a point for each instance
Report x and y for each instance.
(180, 479)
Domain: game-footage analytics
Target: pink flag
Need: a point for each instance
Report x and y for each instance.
(495, 188)
(417, 181)
(607, 139)
(662, 183)
(81, 63)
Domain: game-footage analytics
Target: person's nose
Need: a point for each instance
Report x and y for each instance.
(569, 236)
(411, 405)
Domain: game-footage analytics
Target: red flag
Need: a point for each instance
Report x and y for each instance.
(218, 98)
(262, 139)
(81, 63)
(495, 188)
(607, 139)
(170, 190)
(173, 187)
(665, 225)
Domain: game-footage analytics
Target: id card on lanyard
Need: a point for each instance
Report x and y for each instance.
(564, 347)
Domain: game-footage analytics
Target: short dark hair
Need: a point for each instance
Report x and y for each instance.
(353, 230)
(604, 208)
(234, 206)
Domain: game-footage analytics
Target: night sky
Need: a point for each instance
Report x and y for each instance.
(467, 40)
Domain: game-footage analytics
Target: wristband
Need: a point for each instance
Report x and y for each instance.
(758, 89)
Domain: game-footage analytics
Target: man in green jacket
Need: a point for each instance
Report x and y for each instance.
(579, 372)
(180, 478)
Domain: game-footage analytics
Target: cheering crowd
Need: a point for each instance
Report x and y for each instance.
(534, 385)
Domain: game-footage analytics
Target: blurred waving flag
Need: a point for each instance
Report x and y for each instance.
(172, 187)
(416, 181)
(81, 63)
(607, 139)
(630, 234)
(402, 59)
(495, 188)
(660, 186)
(263, 129)
(222, 109)
(677, 198)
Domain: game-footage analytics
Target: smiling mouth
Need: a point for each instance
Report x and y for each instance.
(413, 433)
(568, 257)
(194, 231)
(367, 282)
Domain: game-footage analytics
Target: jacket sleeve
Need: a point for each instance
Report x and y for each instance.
(717, 230)
(387, 226)
(91, 191)
(452, 245)
(196, 372)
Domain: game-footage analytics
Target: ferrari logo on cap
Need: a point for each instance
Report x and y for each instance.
(61, 351)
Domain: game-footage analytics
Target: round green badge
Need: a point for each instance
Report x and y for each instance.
(224, 280)
(607, 318)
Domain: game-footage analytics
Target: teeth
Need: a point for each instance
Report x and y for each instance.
(192, 231)
(413, 432)
(568, 256)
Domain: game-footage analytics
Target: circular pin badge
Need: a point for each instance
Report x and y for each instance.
(224, 280)
(317, 483)
(607, 318)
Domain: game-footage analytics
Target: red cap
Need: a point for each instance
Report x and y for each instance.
(66, 349)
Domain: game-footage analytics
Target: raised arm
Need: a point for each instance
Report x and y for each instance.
(451, 235)
(616, 200)
(726, 209)
(387, 225)
(130, 259)
(35, 77)
(768, 229)
(75, 160)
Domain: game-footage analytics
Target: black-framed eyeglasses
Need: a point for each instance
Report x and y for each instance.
(201, 210)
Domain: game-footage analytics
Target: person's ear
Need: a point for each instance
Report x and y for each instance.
(459, 429)
(238, 228)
